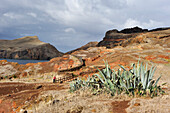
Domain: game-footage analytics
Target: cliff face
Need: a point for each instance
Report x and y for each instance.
(27, 48)
(130, 36)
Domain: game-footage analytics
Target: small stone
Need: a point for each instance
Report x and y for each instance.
(25, 111)
(55, 101)
(93, 110)
(137, 104)
(38, 87)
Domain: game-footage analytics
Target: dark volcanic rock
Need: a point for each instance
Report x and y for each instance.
(27, 48)
(113, 38)
(125, 37)
(159, 29)
(133, 30)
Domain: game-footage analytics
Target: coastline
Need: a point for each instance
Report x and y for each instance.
(20, 61)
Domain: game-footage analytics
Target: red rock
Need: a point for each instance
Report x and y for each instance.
(24, 74)
(164, 56)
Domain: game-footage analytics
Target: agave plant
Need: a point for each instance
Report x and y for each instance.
(142, 79)
(136, 81)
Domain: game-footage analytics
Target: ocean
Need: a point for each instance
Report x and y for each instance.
(25, 61)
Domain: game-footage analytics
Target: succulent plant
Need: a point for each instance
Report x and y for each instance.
(136, 81)
(142, 79)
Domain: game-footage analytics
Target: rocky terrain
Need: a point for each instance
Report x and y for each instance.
(29, 47)
(130, 36)
(118, 47)
(90, 44)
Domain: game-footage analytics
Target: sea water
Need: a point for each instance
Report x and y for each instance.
(24, 61)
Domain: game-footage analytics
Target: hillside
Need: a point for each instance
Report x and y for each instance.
(123, 47)
(29, 47)
(151, 46)
(88, 45)
(134, 35)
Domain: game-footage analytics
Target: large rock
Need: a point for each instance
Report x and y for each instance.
(29, 47)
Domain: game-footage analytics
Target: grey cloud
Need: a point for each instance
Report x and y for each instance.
(69, 24)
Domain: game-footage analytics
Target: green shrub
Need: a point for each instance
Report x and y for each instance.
(73, 75)
(136, 81)
(14, 76)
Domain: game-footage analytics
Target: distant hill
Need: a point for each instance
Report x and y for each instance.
(29, 47)
(130, 36)
(90, 44)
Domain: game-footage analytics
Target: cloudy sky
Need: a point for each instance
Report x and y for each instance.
(68, 24)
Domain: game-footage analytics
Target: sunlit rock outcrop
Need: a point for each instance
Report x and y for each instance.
(29, 47)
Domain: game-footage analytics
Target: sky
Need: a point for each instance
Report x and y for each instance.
(69, 24)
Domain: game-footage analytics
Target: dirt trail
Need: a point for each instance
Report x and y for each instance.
(14, 95)
(120, 106)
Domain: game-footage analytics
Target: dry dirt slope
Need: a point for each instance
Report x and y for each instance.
(150, 47)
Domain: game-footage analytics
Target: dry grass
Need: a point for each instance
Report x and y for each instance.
(83, 101)
(159, 104)
(156, 105)
(163, 70)
(63, 102)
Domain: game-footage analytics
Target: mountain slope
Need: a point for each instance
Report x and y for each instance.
(131, 36)
(88, 45)
(29, 47)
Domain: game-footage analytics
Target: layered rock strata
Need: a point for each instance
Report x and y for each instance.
(29, 47)
(130, 36)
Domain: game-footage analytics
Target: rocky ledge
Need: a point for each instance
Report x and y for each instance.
(130, 36)
(29, 47)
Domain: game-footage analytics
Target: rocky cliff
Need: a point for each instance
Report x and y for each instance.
(29, 47)
(130, 36)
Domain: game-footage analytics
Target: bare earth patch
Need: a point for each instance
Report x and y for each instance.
(156, 105)
(81, 102)
(14, 96)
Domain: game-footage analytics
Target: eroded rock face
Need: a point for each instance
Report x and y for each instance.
(27, 48)
(131, 36)
(133, 30)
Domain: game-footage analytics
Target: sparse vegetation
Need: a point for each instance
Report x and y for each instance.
(74, 75)
(137, 81)
(14, 76)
